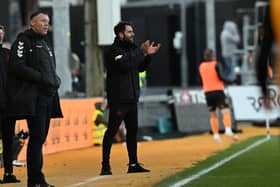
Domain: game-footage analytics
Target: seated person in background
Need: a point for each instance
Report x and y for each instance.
(19, 141)
(99, 124)
(75, 72)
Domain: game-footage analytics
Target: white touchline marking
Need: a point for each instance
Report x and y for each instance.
(218, 164)
(86, 181)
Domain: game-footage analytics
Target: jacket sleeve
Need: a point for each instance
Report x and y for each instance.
(19, 64)
(142, 61)
(128, 60)
(262, 58)
(234, 38)
(220, 73)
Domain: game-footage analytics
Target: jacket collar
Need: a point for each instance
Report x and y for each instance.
(32, 34)
(125, 44)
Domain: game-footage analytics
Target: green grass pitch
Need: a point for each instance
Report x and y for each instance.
(258, 167)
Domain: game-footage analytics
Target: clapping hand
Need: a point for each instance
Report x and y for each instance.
(149, 48)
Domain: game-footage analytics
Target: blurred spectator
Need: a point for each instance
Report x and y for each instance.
(229, 41)
(99, 123)
(264, 62)
(260, 33)
(75, 72)
(142, 82)
(19, 141)
(171, 105)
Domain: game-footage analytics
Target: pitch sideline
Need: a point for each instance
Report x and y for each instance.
(86, 181)
(218, 164)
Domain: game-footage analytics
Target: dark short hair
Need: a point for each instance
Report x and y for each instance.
(98, 105)
(120, 27)
(34, 14)
(208, 54)
(2, 27)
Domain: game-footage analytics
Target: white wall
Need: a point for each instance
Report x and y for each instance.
(108, 15)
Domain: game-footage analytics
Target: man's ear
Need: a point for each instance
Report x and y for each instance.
(121, 35)
(31, 23)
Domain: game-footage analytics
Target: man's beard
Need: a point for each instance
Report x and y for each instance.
(129, 40)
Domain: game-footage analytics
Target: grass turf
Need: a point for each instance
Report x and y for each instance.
(259, 167)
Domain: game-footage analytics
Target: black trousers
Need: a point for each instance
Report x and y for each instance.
(8, 133)
(126, 112)
(17, 147)
(38, 126)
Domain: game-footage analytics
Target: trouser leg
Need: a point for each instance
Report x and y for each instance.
(116, 114)
(131, 124)
(38, 129)
(8, 132)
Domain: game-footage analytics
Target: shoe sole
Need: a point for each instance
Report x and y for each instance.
(7, 182)
(19, 165)
(106, 173)
(138, 171)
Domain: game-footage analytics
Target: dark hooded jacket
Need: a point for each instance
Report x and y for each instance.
(124, 63)
(4, 58)
(31, 73)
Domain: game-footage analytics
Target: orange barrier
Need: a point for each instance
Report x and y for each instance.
(71, 132)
